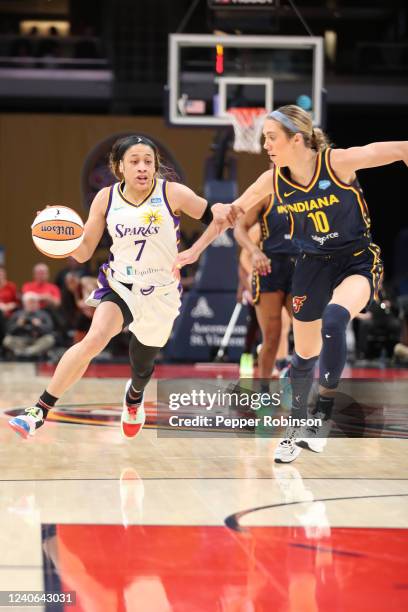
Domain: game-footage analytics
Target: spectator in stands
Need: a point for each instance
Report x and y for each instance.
(73, 266)
(8, 301)
(49, 294)
(29, 330)
(377, 329)
(76, 313)
(8, 294)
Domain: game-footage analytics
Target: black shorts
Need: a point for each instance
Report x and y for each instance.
(116, 299)
(280, 278)
(317, 276)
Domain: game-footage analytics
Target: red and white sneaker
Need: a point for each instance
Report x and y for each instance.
(133, 417)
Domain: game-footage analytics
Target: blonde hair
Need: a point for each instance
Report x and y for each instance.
(314, 137)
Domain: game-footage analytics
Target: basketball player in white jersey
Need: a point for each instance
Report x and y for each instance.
(137, 287)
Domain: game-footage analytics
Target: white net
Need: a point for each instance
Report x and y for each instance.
(248, 124)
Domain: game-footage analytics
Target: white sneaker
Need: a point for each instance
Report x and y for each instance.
(287, 449)
(133, 417)
(25, 425)
(314, 438)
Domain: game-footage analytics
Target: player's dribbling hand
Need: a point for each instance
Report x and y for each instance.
(225, 216)
(260, 262)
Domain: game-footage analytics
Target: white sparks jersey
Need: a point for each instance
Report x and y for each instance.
(144, 236)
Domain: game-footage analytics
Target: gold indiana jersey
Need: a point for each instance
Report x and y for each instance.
(327, 215)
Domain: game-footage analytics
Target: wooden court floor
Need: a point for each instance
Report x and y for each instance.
(195, 524)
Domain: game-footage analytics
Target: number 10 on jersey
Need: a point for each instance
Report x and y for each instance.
(320, 221)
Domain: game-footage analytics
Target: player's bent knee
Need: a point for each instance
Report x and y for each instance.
(334, 321)
(95, 341)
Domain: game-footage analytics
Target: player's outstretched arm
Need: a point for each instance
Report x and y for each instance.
(346, 161)
(252, 196)
(260, 189)
(94, 227)
(192, 254)
(182, 198)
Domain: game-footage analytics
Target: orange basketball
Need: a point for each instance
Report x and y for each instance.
(57, 231)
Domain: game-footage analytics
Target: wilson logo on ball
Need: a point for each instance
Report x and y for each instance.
(57, 229)
(63, 229)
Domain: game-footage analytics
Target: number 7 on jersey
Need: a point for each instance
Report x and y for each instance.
(142, 246)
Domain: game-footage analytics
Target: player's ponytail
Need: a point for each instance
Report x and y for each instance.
(319, 140)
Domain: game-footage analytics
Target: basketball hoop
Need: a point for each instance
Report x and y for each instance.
(247, 123)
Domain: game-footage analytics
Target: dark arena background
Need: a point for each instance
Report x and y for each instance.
(194, 514)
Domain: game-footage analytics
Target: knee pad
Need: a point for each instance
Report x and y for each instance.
(334, 321)
(334, 351)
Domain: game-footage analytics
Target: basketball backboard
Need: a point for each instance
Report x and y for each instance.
(207, 74)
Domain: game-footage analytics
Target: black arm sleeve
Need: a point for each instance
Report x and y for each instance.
(207, 217)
